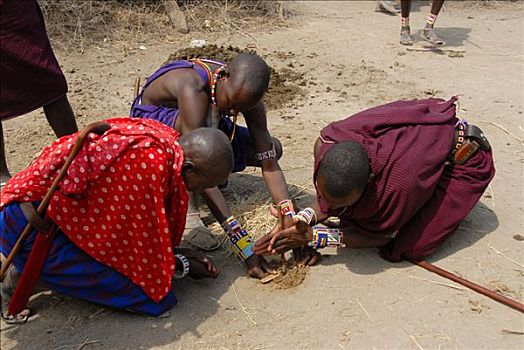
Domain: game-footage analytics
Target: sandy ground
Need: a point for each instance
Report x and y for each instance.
(353, 299)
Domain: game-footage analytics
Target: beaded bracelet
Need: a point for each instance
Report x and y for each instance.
(270, 153)
(326, 237)
(185, 266)
(286, 207)
(240, 241)
(306, 215)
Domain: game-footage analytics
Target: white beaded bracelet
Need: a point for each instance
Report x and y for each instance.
(185, 266)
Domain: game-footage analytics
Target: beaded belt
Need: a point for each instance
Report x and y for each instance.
(467, 141)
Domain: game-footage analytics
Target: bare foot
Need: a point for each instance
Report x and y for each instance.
(7, 288)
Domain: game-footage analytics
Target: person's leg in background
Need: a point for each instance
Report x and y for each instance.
(60, 116)
(429, 33)
(405, 31)
(4, 171)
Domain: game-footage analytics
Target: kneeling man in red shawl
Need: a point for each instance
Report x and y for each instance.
(120, 211)
(400, 177)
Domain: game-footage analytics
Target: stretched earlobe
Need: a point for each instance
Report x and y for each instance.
(187, 165)
(224, 73)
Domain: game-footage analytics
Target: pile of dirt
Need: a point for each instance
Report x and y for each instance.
(289, 277)
(285, 85)
(292, 278)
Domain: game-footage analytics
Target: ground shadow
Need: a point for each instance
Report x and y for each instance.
(66, 323)
(480, 222)
(452, 36)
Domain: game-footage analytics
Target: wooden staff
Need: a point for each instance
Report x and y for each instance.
(477, 288)
(136, 88)
(98, 128)
(283, 263)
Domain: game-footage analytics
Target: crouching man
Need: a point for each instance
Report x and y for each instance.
(111, 229)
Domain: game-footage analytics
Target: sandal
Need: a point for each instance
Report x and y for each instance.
(7, 289)
(386, 6)
(431, 37)
(405, 36)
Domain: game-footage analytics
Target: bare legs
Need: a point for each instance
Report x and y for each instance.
(4, 171)
(405, 31)
(60, 116)
(428, 33)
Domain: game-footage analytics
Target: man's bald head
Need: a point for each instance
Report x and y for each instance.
(208, 158)
(250, 74)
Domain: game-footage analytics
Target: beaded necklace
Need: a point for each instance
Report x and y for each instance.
(213, 79)
(212, 76)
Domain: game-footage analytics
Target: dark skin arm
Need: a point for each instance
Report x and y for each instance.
(256, 121)
(300, 234)
(186, 90)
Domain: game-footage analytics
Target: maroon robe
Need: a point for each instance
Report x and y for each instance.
(414, 197)
(30, 76)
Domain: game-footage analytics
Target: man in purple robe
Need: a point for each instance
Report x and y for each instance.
(401, 177)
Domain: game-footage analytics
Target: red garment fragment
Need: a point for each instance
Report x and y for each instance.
(123, 200)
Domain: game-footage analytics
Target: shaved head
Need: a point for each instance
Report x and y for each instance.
(250, 74)
(208, 158)
(344, 169)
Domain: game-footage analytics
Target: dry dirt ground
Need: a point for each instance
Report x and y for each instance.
(350, 58)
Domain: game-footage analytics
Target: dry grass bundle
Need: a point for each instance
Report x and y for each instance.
(252, 213)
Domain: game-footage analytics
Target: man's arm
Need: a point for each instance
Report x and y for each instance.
(193, 103)
(256, 121)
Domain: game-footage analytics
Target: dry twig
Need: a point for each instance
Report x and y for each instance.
(362, 307)
(504, 256)
(86, 342)
(416, 342)
(434, 49)
(242, 306)
(426, 280)
(508, 331)
(501, 127)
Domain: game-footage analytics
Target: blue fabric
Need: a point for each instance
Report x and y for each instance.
(239, 143)
(70, 271)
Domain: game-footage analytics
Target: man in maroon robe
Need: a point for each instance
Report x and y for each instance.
(30, 76)
(391, 175)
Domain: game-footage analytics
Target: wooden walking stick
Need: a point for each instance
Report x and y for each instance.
(477, 288)
(136, 88)
(98, 128)
(283, 263)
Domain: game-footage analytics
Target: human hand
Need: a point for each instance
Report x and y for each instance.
(200, 265)
(306, 255)
(279, 241)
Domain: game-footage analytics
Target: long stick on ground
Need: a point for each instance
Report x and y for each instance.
(477, 288)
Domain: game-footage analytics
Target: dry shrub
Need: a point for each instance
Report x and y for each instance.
(233, 14)
(87, 22)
